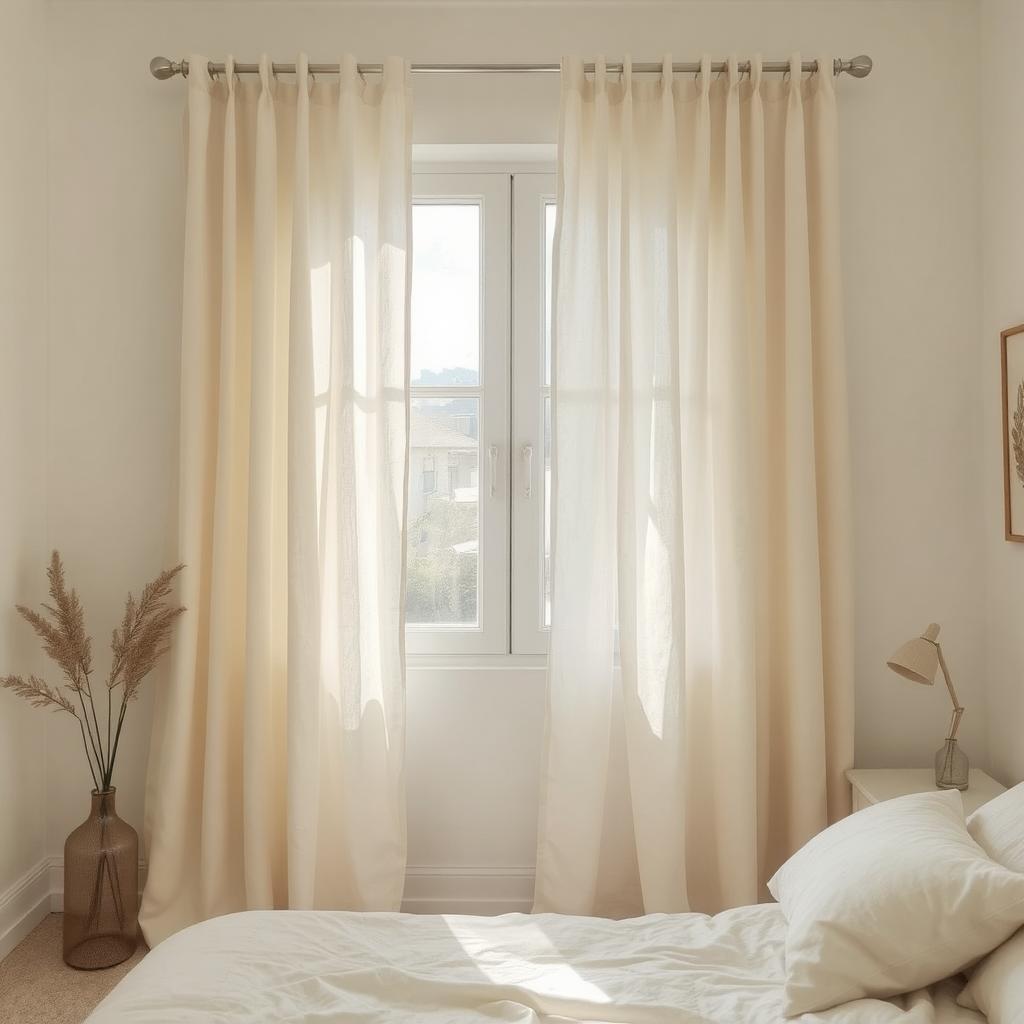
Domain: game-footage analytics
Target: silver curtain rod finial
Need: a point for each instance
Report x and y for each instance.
(162, 68)
(859, 67)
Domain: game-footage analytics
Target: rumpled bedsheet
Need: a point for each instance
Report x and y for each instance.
(319, 966)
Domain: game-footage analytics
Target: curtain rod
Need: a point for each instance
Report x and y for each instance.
(857, 67)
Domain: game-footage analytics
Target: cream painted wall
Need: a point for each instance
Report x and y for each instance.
(22, 430)
(910, 147)
(1002, 96)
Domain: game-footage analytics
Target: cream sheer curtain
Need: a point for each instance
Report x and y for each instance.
(701, 699)
(276, 772)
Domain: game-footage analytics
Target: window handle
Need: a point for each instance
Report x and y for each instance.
(492, 468)
(528, 469)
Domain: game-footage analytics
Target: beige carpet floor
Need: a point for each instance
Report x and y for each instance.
(37, 987)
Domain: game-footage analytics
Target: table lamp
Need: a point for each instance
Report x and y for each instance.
(919, 659)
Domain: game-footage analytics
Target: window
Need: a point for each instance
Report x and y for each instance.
(429, 475)
(534, 231)
(478, 559)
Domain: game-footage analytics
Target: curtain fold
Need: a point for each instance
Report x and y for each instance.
(276, 767)
(700, 711)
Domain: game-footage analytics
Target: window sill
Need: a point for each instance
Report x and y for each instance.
(477, 662)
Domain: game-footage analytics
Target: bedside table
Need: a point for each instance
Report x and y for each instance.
(872, 785)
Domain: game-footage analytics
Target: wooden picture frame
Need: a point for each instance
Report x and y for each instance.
(1011, 342)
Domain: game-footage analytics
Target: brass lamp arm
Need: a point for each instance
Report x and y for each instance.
(958, 709)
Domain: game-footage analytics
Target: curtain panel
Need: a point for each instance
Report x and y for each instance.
(700, 707)
(276, 770)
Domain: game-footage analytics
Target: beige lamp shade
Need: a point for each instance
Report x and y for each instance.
(918, 659)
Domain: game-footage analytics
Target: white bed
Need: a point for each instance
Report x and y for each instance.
(319, 966)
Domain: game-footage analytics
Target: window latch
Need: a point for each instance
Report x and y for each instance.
(492, 468)
(528, 469)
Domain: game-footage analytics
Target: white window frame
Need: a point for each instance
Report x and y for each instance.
(531, 194)
(490, 635)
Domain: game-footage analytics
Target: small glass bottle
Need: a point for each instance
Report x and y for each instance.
(951, 766)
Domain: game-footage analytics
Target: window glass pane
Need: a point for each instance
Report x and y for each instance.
(549, 248)
(445, 323)
(547, 510)
(444, 516)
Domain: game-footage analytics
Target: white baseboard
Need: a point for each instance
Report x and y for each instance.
(428, 890)
(23, 905)
(468, 890)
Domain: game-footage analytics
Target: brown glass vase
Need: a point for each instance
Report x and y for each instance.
(101, 888)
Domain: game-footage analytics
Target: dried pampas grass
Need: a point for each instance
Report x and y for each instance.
(137, 645)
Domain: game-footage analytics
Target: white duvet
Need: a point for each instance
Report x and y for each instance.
(319, 966)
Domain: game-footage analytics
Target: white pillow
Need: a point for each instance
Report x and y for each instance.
(997, 984)
(890, 899)
(998, 828)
